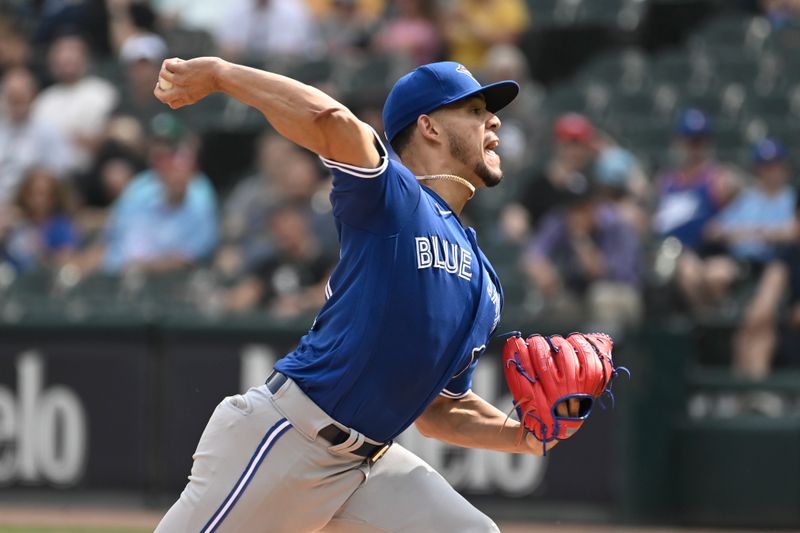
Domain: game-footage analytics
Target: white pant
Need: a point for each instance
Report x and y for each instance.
(259, 467)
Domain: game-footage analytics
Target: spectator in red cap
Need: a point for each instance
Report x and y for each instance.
(574, 127)
(568, 172)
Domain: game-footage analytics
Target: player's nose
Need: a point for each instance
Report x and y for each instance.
(493, 122)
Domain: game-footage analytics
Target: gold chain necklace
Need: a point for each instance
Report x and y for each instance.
(450, 177)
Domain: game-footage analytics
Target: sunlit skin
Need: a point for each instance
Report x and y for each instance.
(471, 130)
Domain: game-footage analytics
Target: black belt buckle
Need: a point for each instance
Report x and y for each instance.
(380, 452)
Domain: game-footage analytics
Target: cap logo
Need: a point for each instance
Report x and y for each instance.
(463, 70)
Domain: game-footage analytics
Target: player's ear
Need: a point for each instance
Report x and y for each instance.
(428, 127)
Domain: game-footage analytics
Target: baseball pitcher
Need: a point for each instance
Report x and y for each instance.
(410, 309)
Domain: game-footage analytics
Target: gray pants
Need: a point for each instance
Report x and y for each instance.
(259, 467)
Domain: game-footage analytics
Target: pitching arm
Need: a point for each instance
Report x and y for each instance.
(301, 113)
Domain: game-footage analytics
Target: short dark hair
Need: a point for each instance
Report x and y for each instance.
(403, 139)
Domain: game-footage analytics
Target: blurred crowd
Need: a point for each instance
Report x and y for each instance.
(599, 235)
(98, 177)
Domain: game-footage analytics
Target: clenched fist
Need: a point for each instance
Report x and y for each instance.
(192, 80)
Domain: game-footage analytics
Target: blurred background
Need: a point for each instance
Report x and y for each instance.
(153, 261)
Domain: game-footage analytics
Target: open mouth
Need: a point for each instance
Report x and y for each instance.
(490, 147)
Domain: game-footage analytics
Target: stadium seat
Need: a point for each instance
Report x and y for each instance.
(631, 14)
(729, 135)
(565, 12)
(542, 11)
(566, 98)
(665, 100)
(776, 105)
(727, 67)
(787, 131)
(709, 103)
(733, 30)
(627, 69)
(599, 12)
(691, 72)
(644, 133)
(639, 104)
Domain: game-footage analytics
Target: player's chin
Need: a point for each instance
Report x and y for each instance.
(491, 173)
(489, 176)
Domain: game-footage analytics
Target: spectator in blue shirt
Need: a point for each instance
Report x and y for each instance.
(761, 218)
(749, 232)
(37, 230)
(166, 218)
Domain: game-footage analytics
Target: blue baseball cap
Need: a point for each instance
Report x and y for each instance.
(769, 151)
(693, 123)
(434, 85)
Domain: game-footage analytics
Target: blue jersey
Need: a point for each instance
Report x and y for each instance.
(686, 206)
(411, 304)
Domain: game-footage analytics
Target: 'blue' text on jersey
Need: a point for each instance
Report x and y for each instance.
(411, 304)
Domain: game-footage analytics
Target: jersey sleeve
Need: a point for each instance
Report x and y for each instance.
(461, 384)
(378, 200)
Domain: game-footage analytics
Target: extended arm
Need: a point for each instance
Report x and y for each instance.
(301, 113)
(472, 422)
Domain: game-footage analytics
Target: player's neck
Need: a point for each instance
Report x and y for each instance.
(454, 190)
(451, 186)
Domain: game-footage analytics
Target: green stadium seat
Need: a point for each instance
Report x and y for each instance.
(640, 104)
(736, 31)
(788, 132)
(565, 12)
(566, 98)
(731, 68)
(729, 136)
(772, 106)
(626, 69)
(672, 67)
(599, 12)
(642, 134)
(542, 11)
(709, 103)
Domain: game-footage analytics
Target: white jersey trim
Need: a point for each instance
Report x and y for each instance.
(361, 172)
(454, 395)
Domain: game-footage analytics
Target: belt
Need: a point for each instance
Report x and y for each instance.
(331, 433)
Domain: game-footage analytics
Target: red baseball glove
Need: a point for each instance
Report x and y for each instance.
(555, 381)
